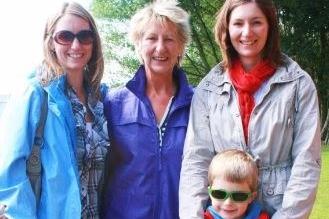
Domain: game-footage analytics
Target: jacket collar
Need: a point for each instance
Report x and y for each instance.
(289, 71)
(56, 91)
(182, 97)
(218, 76)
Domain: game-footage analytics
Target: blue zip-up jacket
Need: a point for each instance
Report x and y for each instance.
(60, 194)
(144, 173)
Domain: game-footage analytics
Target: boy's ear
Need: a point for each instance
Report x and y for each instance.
(252, 197)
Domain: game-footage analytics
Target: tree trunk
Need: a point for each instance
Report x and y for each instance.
(325, 130)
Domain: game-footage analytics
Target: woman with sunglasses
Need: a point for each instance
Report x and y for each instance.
(75, 138)
(147, 119)
(258, 100)
(233, 181)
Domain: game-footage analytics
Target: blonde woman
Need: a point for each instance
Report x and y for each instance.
(147, 119)
(75, 139)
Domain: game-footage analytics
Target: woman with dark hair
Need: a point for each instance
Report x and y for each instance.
(258, 100)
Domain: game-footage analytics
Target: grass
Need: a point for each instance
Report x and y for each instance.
(321, 207)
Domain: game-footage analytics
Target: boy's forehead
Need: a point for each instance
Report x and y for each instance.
(223, 183)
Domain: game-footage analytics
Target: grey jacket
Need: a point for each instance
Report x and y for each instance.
(284, 134)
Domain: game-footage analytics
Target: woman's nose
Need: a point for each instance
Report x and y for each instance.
(160, 45)
(246, 30)
(76, 43)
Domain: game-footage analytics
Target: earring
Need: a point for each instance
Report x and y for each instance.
(179, 58)
(86, 68)
(53, 52)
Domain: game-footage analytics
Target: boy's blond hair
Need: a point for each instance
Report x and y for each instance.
(235, 166)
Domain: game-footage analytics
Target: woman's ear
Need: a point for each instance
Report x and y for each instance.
(52, 46)
(138, 49)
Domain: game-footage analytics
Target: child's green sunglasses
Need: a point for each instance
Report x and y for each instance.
(236, 196)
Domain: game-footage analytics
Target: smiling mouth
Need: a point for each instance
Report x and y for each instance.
(248, 43)
(75, 56)
(160, 58)
(229, 211)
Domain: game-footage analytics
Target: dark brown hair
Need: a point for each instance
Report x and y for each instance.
(271, 50)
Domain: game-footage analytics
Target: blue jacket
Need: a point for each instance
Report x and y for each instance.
(144, 176)
(60, 195)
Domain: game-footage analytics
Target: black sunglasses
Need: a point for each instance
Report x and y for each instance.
(236, 196)
(66, 37)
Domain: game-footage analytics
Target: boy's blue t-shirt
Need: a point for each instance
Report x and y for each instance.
(253, 211)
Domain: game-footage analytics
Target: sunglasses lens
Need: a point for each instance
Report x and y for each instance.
(218, 194)
(64, 37)
(235, 196)
(240, 196)
(85, 37)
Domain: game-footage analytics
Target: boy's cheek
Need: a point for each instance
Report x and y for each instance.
(216, 204)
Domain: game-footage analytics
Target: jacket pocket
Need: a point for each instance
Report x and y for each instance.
(274, 181)
(273, 194)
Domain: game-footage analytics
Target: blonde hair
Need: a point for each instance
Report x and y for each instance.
(235, 166)
(160, 11)
(51, 69)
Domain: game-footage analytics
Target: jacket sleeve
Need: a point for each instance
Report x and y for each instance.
(301, 189)
(104, 89)
(198, 152)
(17, 128)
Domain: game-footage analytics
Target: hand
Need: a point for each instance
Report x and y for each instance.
(2, 211)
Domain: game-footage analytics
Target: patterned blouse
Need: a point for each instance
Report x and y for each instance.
(92, 146)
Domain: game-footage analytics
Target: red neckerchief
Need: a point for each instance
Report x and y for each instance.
(246, 85)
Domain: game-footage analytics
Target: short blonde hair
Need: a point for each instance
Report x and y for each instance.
(160, 11)
(235, 166)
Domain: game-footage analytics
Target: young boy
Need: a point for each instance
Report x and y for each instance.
(233, 180)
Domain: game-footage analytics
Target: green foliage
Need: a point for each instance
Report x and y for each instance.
(114, 17)
(116, 9)
(321, 205)
(202, 53)
(304, 36)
